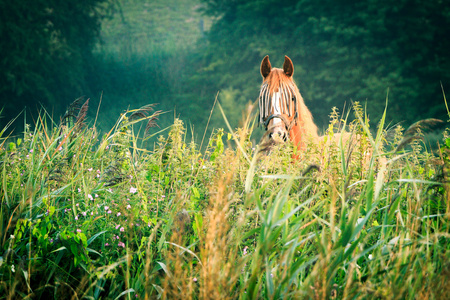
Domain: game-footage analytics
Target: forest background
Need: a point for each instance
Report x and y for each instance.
(180, 53)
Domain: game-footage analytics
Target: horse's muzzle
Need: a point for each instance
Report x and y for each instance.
(278, 134)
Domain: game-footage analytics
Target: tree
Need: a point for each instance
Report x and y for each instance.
(46, 51)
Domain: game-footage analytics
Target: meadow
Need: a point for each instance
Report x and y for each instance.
(113, 216)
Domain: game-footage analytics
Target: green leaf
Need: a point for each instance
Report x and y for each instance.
(51, 210)
(74, 249)
(92, 238)
(195, 192)
(12, 147)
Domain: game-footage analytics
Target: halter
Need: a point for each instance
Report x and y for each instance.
(288, 125)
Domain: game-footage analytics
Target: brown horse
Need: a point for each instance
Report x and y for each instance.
(281, 107)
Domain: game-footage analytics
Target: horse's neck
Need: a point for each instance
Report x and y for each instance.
(301, 135)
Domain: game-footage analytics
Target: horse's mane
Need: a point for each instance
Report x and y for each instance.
(276, 81)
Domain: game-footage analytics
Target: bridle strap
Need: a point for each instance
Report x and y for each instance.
(287, 124)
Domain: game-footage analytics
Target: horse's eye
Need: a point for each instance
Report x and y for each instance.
(293, 98)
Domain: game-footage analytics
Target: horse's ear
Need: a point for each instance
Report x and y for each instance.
(266, 67)
(288, 66)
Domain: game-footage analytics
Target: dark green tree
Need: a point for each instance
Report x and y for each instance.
(46, 51)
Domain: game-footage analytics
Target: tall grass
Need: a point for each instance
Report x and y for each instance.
(89, 216)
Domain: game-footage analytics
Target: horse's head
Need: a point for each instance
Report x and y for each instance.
(278, 99)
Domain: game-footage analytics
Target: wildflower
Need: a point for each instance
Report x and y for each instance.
(106, 244)
(370, 257)
(122, 229)
(78, 204)
(13, 269)
(117, 227)
(128, 206)
(90, 169)
(133, 190)
(79, 190)
(51, 240)
(90, 197)
(78, 230)
(121, 244)
(195, 279)
(76, 217)
(106, 207)
(84, 213)
(118, 214)
(245, 250)
(96, 196)
(109, 211)
(31, 150)
(60, 148)
(92, 213)
(12, 236)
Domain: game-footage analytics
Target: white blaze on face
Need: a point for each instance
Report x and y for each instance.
(276, 105)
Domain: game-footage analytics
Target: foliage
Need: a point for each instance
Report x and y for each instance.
(147, 55)
(343, 51)
(46, 51)
(89, 216)
(179, 54)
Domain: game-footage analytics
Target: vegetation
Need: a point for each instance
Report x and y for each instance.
(149, 206)
(90, 216)
(179, 54)
(46, 49)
